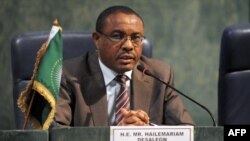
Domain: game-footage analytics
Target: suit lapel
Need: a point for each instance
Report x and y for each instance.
(141, 91)
(95, 92)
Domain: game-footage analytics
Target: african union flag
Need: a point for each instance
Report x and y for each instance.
(39, 98)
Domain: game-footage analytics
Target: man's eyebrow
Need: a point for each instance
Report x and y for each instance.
(135, 33)
(117, 31)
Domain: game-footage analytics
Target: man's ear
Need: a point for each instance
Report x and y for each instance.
(96, 39)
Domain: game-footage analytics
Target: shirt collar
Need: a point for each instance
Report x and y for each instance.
(109, 74)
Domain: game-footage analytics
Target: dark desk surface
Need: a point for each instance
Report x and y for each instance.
(24, 135)
(93, 134)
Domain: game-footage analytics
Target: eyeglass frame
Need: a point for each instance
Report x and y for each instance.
(124, 38)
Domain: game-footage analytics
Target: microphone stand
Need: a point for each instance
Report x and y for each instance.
(147, 72)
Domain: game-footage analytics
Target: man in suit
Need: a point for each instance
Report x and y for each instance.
(89, 90)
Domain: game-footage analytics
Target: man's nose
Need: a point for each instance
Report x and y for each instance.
(127, 43)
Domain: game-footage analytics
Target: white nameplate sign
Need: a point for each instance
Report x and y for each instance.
(151, 133)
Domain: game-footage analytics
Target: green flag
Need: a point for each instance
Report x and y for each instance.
(45, 82)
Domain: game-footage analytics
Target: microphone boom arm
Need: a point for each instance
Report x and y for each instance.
(147, 72)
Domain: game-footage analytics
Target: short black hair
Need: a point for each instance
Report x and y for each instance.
(111, 10)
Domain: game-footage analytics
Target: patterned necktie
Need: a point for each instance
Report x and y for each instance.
(122, 99)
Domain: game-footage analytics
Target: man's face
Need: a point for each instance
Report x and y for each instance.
(123, 55)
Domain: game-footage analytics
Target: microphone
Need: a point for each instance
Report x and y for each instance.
(147, 72)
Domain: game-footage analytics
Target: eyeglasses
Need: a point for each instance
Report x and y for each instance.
(118, 37)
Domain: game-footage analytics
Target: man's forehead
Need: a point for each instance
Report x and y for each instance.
(125, 18)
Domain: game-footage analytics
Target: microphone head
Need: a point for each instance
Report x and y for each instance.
(140, 68)
(143, 70)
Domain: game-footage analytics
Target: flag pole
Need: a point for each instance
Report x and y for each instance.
(28, 111)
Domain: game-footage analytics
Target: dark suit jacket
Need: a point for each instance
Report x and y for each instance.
(83, 102)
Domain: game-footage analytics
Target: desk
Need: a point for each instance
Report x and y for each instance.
(204, 133)
(24, 135)
(208, 133)
(102, 134)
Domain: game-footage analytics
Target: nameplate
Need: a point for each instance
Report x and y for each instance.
(151, 133)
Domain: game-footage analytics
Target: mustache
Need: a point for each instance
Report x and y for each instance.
(126, 55)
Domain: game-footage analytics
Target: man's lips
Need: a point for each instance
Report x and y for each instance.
(126, 58)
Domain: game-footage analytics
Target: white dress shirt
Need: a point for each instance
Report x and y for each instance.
(112, 88)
